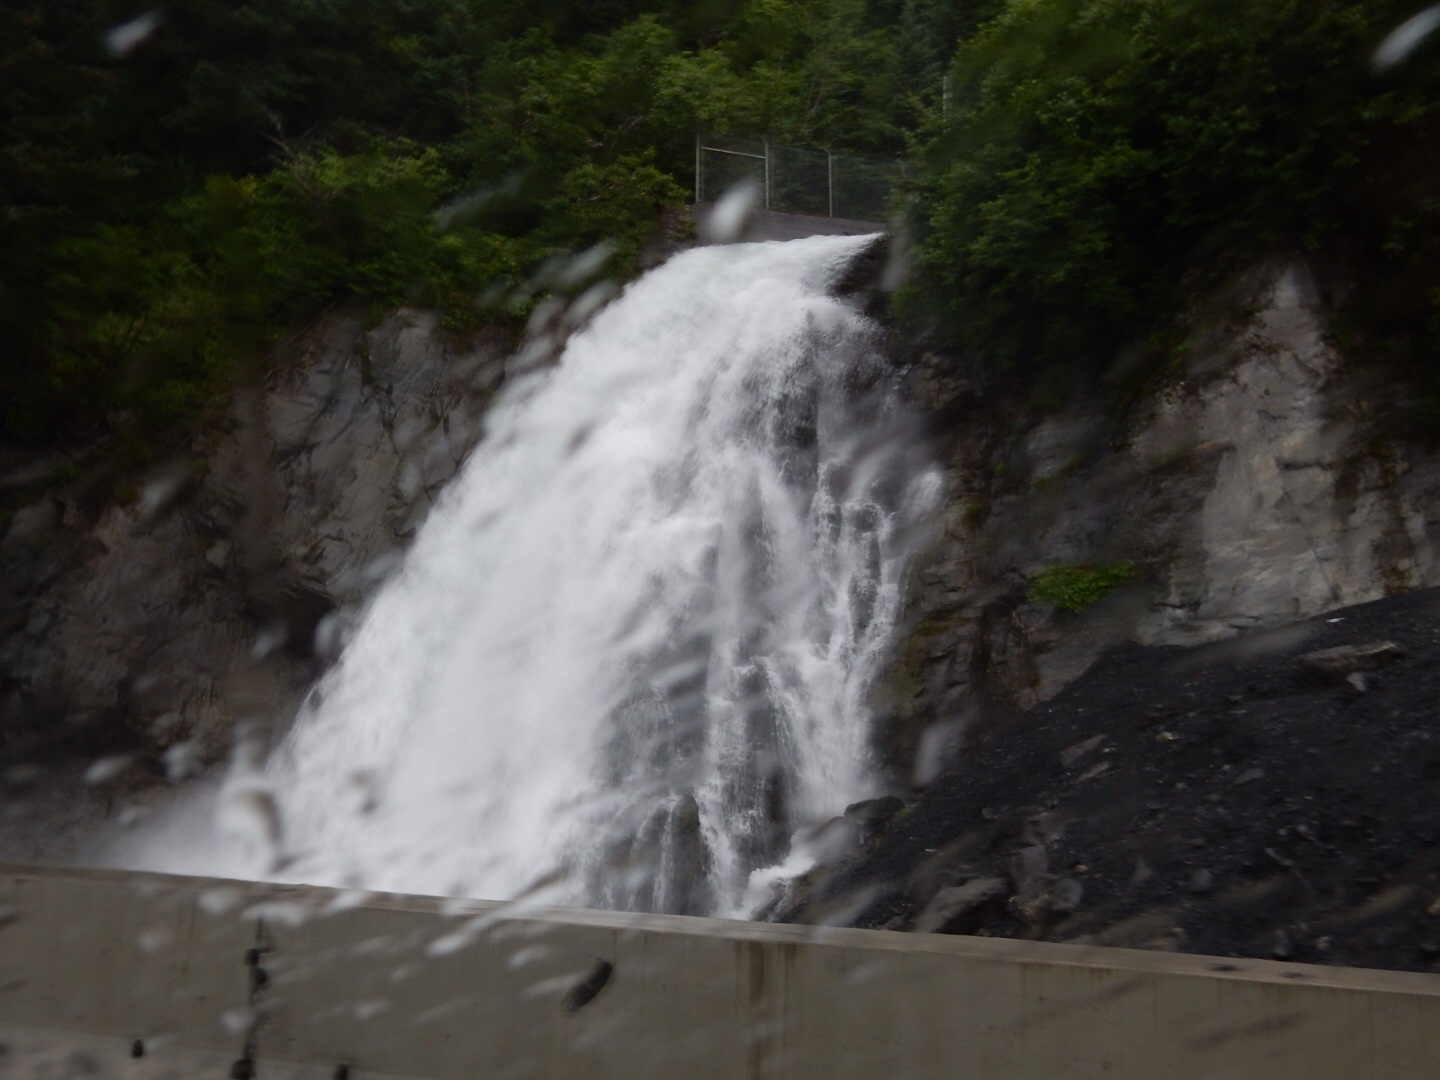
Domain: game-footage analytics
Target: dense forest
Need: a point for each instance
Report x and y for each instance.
(185, 183)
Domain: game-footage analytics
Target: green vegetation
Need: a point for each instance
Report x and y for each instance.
(1075, 586)
(1103, 159)
(176, 203)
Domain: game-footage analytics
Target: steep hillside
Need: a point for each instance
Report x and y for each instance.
(1268, 796)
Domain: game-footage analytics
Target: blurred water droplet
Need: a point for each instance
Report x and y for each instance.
(443, 1013)
(378, 569)
(459, 905)
(864, 973)
(546, 312)
(290, 913)
(461, 937)
(108, 768)
(365, 785)
(252, 813)
(589, 302)
(555, 986)
(411, 483)
(530, 954)
(162, 491)
(347, 900)
(329, 636)
(130, 816)
(543, 886)
(731, 214)
(247, 810)
(585, 265)
(405, 972)
(219, 901)
(462, 209)
(1401, 41)
(22, 775)
(937, 743)
(182, 761)
(538, 352)
(267, 641)
(237, 1021)
(896, 269)
(495, 295)
(125, 38)
(154, 939)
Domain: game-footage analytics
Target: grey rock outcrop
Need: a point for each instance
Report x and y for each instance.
(208, 599)
(1264, 483)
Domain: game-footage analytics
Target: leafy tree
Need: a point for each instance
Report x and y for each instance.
(1100, 154)
(178, 196)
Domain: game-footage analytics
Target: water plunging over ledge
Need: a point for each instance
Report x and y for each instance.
(631, 652)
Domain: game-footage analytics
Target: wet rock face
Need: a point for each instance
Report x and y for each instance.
(208, 598)
(1265, 483)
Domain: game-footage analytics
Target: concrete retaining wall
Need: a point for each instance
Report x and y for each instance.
(142, 975)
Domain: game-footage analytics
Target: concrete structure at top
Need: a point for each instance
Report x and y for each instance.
(145, 976)
(774, 225)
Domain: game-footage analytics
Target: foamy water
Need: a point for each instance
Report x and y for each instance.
(632, 651)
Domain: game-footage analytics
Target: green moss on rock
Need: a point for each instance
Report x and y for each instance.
(1076, 586)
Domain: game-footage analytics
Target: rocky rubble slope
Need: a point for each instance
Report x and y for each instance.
(1269, 796)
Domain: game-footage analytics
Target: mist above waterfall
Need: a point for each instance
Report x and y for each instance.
(631, 653)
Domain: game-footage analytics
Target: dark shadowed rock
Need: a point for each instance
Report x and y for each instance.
(960, 910)
(1066, 896)
(1343, 661)
(1072, 756)
(1285, 813)
(870, 816)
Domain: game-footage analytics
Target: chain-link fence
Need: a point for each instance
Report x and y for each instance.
(796, 181)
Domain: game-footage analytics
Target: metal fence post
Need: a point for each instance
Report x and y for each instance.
(799, 187)
(830, 179)
(767, 174)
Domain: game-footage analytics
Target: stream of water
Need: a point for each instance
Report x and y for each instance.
(630, 657)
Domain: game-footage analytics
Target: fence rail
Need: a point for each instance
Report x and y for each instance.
(796, 181)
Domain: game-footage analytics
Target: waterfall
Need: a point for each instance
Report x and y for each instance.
(631, 652)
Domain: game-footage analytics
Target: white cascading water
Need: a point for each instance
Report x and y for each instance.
(630, 653)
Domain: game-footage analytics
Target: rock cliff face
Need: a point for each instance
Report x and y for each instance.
(1262, 484)
(208, 599)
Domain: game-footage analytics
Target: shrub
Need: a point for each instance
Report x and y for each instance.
(1075, 586)
(1101, 156)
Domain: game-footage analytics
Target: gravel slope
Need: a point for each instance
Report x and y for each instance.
(1230, 800)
